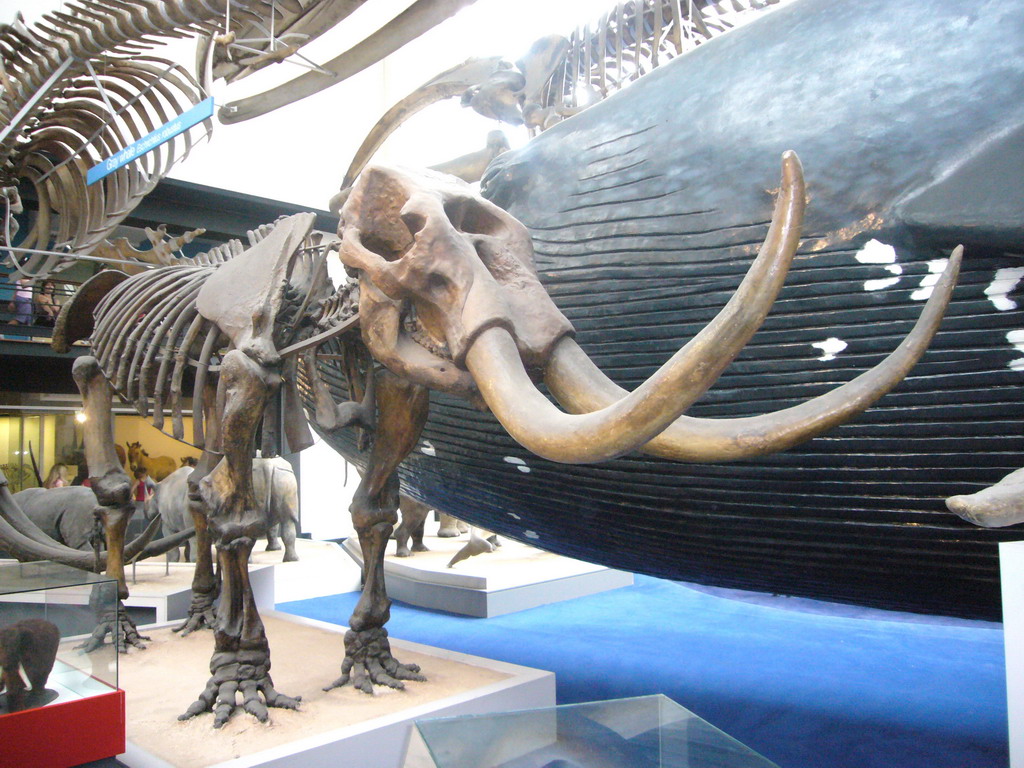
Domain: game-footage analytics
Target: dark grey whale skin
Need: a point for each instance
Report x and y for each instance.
(646, 210)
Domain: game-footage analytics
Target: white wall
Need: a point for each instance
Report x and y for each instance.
(1011, 559)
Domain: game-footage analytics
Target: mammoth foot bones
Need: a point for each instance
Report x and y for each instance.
(202, 613)
(245, 672)
(368, 662)
(122, 630)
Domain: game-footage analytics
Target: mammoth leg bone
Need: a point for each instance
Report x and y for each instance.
(997, 506)
(205, 584)
(241, 656)
(332, 416)
(368, 660)
(112, 487)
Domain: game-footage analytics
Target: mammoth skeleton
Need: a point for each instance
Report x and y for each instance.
(448, 300)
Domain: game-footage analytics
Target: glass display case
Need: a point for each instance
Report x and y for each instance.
(47, 611)
(642, 732)
(72, 600)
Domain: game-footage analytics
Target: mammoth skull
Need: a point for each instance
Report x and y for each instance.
(439, 265)
(449, 298)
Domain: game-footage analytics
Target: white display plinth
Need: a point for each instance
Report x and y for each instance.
(323, 568)
(342, 728)
(1011, 562)
(167, 588)
(164, 588)
(514, 577)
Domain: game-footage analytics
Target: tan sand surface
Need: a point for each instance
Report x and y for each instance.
(162, 681)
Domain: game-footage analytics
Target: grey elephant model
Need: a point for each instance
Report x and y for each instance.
(64, 514)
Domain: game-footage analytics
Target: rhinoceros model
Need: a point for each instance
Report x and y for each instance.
(280, 503)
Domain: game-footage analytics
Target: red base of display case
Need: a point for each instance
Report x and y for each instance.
(65, 734)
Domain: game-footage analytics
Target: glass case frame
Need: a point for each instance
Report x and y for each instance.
(72, 600)
(641, 732)
(85, 721)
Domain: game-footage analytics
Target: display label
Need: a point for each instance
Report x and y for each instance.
(201, 111)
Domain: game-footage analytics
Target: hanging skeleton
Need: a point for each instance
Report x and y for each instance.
(630, 41)
(76, 89)
(558, 76)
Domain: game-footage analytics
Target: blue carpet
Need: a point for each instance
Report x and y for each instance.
(815, 687)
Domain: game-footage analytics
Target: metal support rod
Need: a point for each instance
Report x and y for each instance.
(273, 19)
(308, 65)
(99, 87)
(39, 252)
(35, 98)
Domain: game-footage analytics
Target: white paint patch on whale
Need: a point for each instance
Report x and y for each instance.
(1016, 338)
(830, 347)
(998, 290)
(877, 285)
(876, 252)
(531, 534)
(428, 448)
(885, 282)
(518, 464)
(935, 268)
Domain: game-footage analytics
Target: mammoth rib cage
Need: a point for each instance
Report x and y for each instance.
(147, 331)
(153, 315)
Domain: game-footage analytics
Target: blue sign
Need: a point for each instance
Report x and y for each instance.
(201, 111)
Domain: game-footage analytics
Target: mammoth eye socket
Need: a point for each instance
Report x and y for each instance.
(414, 222)
(477, 220)
(386, 249)
(454, 210)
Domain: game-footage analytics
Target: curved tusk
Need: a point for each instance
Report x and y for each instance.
(623, 423)
(21, 537)
(157, 547)
(450, 83)
(693, 439)
(699, 363)
(533, 421)
(139, 543)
